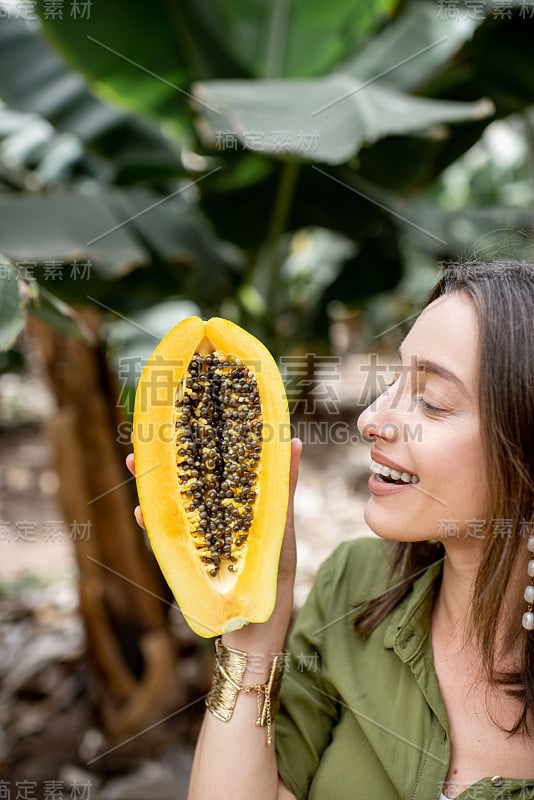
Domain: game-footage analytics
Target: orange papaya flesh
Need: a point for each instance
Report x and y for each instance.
(212, 448)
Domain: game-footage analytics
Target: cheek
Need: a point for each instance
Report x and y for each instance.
(452, 469)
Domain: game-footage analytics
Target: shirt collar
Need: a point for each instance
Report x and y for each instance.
(410, 620)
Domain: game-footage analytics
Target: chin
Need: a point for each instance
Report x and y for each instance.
(382, 525)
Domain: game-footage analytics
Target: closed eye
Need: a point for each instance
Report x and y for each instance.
(428, 408)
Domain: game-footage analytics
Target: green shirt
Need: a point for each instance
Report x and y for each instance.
(363, 718)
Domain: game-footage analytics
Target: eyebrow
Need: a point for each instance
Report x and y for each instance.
(424, 365)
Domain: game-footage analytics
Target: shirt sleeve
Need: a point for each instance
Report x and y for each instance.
(308, 707)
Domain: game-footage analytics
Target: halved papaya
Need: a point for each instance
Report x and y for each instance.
(212, 448)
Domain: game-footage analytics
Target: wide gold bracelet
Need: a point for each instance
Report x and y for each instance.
(230, 665)
(227, 680)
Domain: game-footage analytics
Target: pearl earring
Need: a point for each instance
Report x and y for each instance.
(528, 616)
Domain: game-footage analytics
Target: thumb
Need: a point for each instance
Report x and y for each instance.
(288, 552)
(296, 452)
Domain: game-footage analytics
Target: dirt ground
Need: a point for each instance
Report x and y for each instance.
(49, 735)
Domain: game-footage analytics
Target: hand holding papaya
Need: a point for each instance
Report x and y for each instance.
(212, 450)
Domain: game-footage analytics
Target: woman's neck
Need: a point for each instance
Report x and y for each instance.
(452, 608)
(460, 568)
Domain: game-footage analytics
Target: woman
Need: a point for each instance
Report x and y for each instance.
(412, 662)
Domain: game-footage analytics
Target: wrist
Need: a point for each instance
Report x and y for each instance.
(262, 639)
(229, 680)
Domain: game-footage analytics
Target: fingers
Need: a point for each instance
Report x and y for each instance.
(130, 463)
(139, 517)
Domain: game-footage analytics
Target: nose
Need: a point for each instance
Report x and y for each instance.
(380, 419)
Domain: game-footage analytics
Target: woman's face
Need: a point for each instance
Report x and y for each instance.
(427, 426)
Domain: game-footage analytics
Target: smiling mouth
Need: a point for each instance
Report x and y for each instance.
(386, 475)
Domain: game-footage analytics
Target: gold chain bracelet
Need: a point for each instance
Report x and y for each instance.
(230, 665)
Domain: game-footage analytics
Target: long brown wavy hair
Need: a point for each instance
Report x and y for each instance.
(503, 296)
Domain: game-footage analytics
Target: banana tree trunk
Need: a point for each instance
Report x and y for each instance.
(123, 598)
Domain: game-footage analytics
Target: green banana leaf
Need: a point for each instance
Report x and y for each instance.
(20, 296)
(34, 79)
(476, 233)
(324, 119)
(411, 49)
(201, 39)
(12, 306)
(107, 234)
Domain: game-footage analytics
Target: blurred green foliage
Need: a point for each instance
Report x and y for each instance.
(273, 163)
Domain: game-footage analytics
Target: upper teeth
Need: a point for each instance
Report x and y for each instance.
(406, 477)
